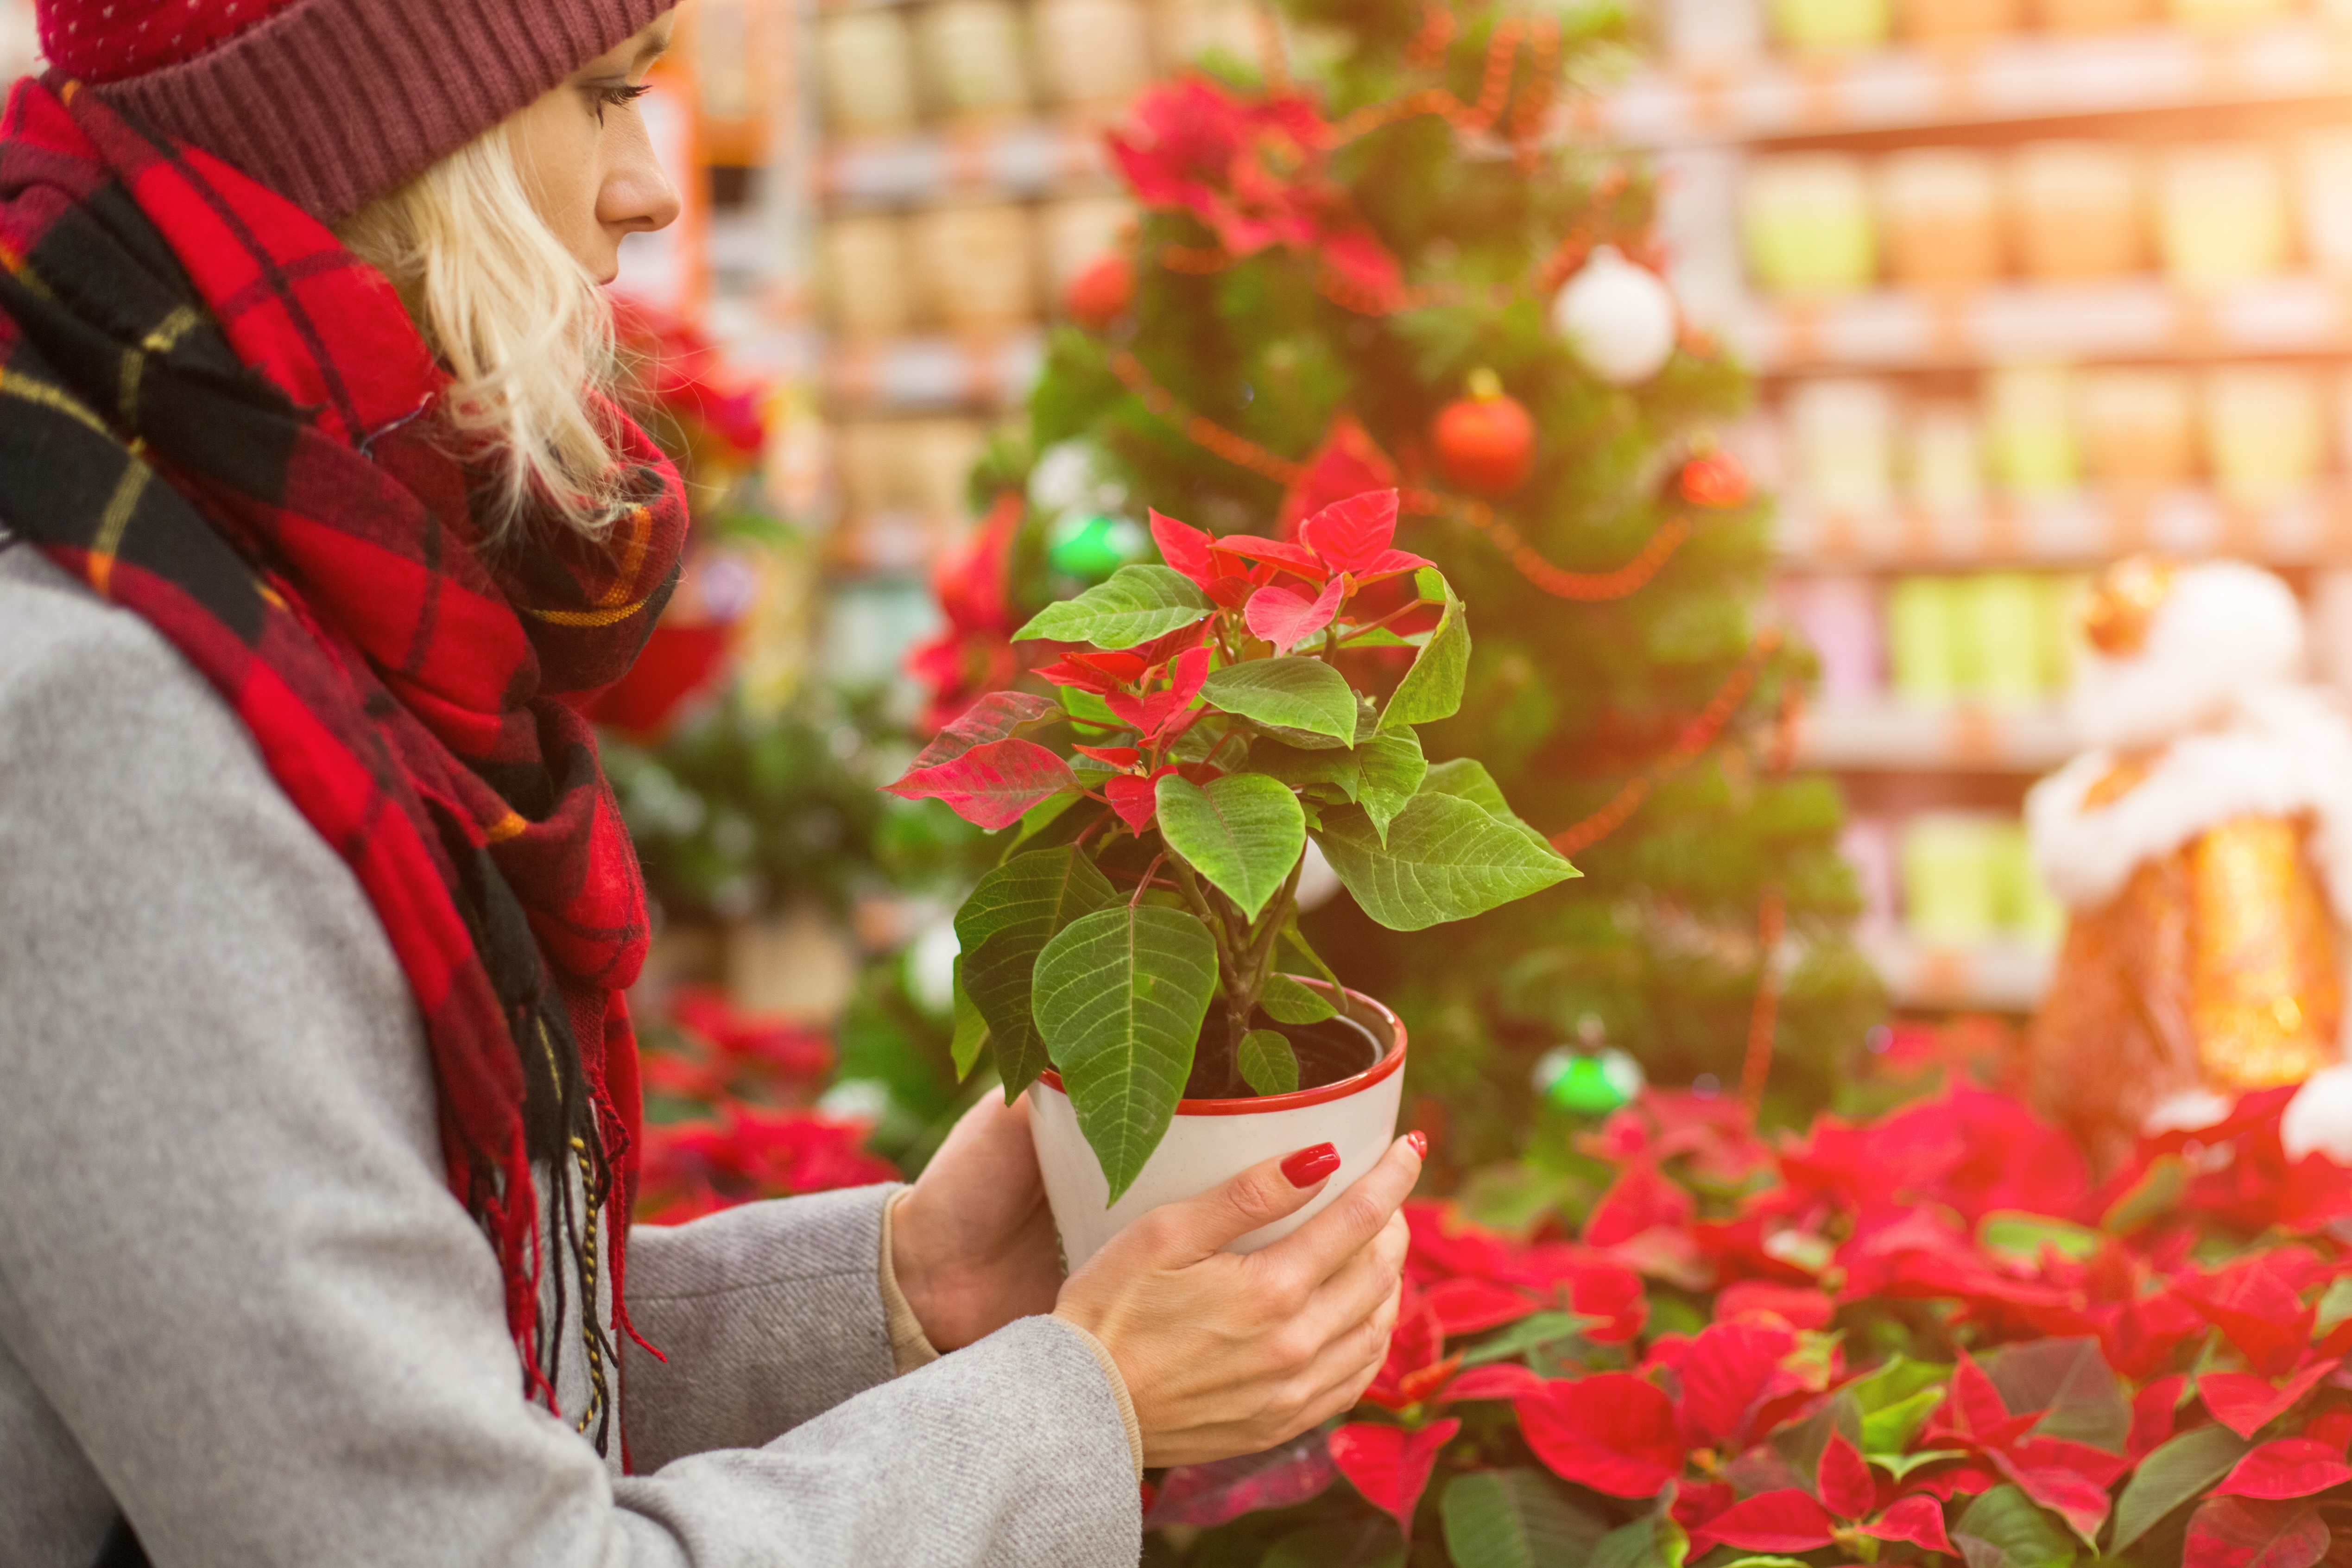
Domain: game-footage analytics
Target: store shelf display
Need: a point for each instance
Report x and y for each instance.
(2034, 286)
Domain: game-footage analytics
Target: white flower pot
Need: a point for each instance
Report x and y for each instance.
(1211, 1140)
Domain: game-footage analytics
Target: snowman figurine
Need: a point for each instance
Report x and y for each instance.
(2203, 848)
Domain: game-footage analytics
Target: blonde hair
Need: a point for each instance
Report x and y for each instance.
(522, 329)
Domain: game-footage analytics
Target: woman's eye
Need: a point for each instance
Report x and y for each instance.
(620, 96)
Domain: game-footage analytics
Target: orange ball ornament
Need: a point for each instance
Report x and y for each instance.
(1485, 443)
(1102, 293)
(1714, 479)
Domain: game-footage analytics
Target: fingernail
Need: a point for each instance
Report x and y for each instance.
(1420, 1142)
(1309, 1166)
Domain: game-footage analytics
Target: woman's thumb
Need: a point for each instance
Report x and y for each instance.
(1268, 1190)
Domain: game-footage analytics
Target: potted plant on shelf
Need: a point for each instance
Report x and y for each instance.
(1124, 955)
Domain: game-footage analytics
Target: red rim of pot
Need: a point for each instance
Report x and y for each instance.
(1258, 1105)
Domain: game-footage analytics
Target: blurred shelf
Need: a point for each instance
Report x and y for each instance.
(1893, 737)
(2141, 318)
(928, 375)
(2016, 77)
(2084, 530)
(1030, 159)
(2003, 975)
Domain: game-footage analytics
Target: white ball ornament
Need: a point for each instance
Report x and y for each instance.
(1617, 317)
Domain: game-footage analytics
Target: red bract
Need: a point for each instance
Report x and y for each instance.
(1388, 1464)
(1135, 797)
(973, 653)
(1348, 463)
(2240, 1533)
(1730, 1374)
(1473, 1306)
(991, 785)
(2246, 1404)
(1416, 1366)
(1916, 1519)
(1784, 1521)
(1184, 548)
(1286, 618)
(1158, 716)
(1613, 1432)
(2256, 1308)
(1640, 1199)
(1353, 535)
(1799, 1307)
(2289, 1468)
(1210, 1494)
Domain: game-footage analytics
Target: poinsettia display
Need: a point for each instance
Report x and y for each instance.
(1214, 729)
(1931, 1336)
(1333, 241)
(728, 1117)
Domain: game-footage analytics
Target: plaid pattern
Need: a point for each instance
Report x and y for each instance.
(210, 412)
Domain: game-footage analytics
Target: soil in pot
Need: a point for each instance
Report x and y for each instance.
(1334, 1048)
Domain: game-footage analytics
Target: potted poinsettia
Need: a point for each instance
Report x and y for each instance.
(1128, 955)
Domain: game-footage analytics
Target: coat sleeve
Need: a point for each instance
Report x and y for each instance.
(232, 1276)
(713, 1297)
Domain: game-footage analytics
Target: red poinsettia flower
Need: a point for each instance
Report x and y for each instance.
(1254, 170)
(973, 652)
(1348, 463)
(1843, 1509)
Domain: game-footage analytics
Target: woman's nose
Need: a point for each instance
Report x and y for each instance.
(638, 194)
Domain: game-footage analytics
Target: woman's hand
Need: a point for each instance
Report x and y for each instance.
(1227, 1354)
(973, 1243)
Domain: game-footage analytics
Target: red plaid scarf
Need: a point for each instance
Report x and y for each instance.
(218, 418)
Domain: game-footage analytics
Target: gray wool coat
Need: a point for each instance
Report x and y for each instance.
(238, 1304)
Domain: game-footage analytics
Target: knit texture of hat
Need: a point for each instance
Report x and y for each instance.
(329, 102)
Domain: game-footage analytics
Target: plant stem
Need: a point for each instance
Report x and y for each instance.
(1143, 885)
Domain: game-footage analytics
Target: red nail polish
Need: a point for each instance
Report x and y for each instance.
(1309, 1166)
(1420, 1142)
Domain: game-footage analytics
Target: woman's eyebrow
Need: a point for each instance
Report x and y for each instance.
(655, 45)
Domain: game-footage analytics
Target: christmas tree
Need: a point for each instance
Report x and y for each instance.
(1391, 268)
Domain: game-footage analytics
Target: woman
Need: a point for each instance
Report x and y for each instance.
(316, 1144)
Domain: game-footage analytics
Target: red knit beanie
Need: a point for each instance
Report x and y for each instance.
(331, 102)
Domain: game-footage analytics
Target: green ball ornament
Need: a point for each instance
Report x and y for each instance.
(1588, 1083)
(1090, 548)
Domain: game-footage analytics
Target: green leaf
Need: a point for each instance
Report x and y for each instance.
(2071, 1380)
(1119, 998)
(1901, 1465)
(1381, 772)
(1002, 927)
(1445, 859)
(1268, 1064)
(971, 1028)
(2334, 1304)
(1536, 1328)
(1291, 694)
(1898, 1378)
(2004, 1529)
(1430, 584)
(1516, 1519)
(2175, 1472)
(2021, 1236)
(1650, 1542)
(2150, 1198)
(1038, 818)
(1890, 1428)
(1087, 706)
(1299, 945)
(1138, 604)
(1243, 832)
(1287, 1001)
(1432, 688)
